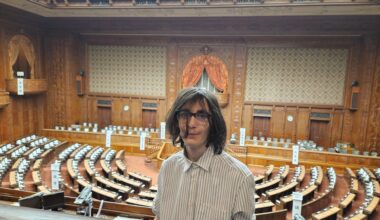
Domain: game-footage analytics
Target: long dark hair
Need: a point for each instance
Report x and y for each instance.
(218, 130)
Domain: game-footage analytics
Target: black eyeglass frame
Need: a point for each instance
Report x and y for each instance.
(197, 115)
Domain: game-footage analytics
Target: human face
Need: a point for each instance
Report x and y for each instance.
(194, 129)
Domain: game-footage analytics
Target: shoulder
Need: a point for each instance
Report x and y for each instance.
(173, 159)
(232, 164)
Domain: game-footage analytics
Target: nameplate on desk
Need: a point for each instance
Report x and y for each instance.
(142, 140)
(55, 176)
(20, 86)
(295, 156)
(297, 204)
(162, 130)
(242, 137)
(108, 138)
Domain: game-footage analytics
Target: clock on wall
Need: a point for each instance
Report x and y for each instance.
(290, 118)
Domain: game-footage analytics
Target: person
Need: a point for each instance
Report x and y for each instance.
(202, 181)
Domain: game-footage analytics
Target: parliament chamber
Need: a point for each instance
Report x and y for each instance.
(85, 86)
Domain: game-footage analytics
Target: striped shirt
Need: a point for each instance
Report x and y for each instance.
(215, 187)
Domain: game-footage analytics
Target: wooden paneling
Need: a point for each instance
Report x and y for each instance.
(302, 124)
(149, 118)
(60, 46)
(261, 127)
(319, 132)
(247, 119)
(24, 114)
(104, 116)
(290, 125)
(278, 122)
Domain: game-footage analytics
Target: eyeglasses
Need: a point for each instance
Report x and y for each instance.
(184, 115)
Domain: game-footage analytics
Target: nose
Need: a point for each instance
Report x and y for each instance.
(192, 121)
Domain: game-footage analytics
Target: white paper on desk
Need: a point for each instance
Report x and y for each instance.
(108, 138)
(142, 140)
(296, 150)
(20, 86)
(162, 130)
(297, 204)
(54, 176)
(242, 137)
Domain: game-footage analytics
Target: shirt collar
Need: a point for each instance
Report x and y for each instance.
(204, 162)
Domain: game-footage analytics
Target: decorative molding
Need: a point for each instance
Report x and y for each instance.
(56, 80)
(238, 88)
(373, 131)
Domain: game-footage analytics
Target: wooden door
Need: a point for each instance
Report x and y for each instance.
(104, 116)
(261, 126)
(319, 132)
(149, 118)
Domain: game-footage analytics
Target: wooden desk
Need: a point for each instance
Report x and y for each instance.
(268, 172)
(44, 154)
(307, 193)
(371, 175)
(282, 190)
(273, 183)
(102, 192)
(145, 179)
(105, 168)
(72, 155)
(320, 176)
(88, 155)
(349, 173)
(37, 164)
(347, 201)
(89, 171)
(36, 178)
(16, 164)
(359, 216)
(354, 186)
(108, 183)
(43, 188)
(274, 215)
(371, 206)
(285, 173)
(259, 179)
(12, 179)
(136, 185)
(121, 167)
(332, 211)
(154, 188)
(103, 156)
(302, 174)
(120, 155)
(26, 154)
(376, 188)
(69, 165)
(139, 202)
(265, 206)
(147, 194)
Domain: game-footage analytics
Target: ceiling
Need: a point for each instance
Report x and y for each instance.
(187, 8)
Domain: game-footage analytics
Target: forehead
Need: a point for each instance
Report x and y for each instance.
(196, 106)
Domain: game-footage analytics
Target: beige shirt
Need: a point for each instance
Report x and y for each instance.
(215, 187)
